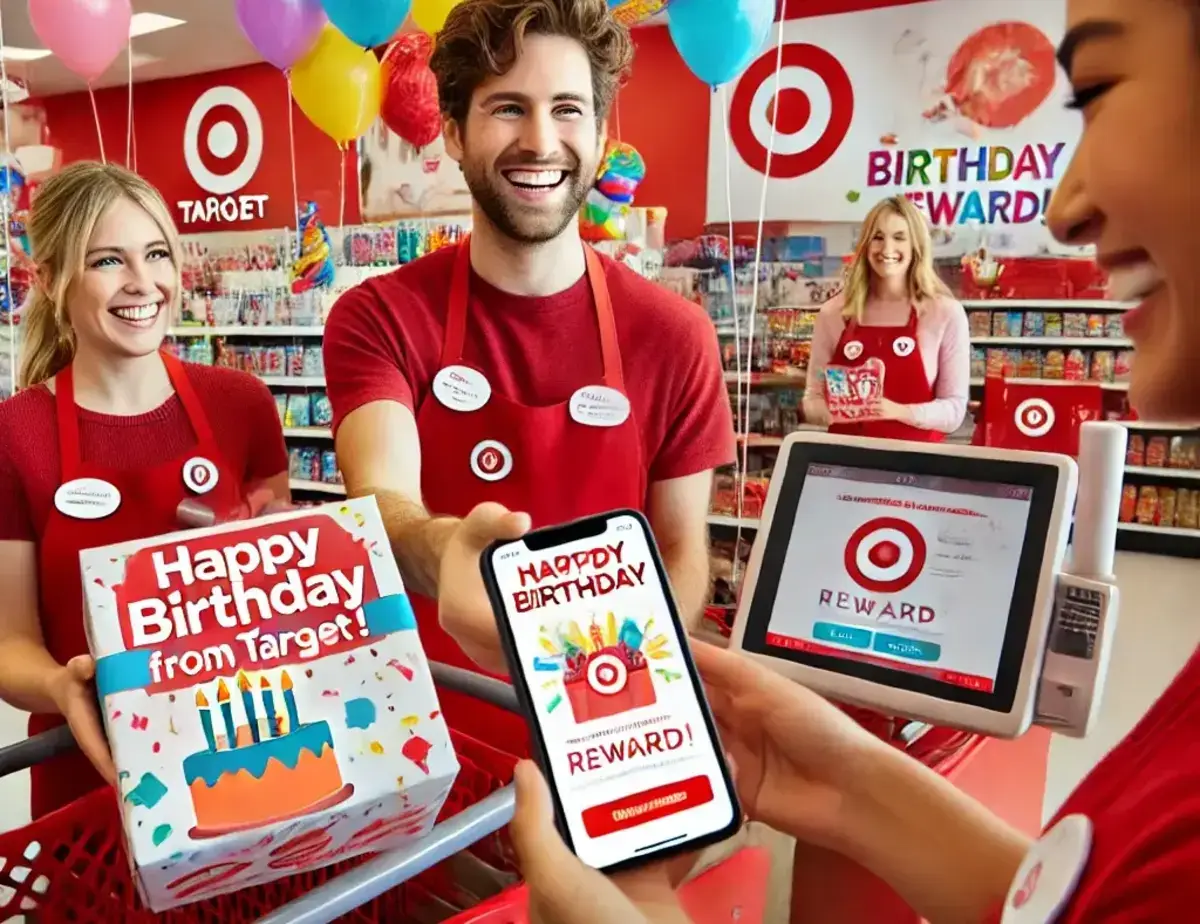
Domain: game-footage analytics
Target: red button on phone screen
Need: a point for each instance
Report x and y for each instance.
(643, 807)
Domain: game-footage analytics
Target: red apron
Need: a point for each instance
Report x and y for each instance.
(148, 507)
(905, 380)
(537, 460)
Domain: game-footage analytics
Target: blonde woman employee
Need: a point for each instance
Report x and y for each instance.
(101, 401)
(895, 309)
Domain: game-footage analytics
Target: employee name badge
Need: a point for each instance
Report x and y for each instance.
(1050, 873)
(854, 393)
(462, 388)
(87, 499)
(599, 406)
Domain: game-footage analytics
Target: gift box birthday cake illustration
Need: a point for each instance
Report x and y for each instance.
(606, 671)
(264, 771)
(268, 704)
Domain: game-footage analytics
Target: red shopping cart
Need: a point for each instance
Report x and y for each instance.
(71, 865)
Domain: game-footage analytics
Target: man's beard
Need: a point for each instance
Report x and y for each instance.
(526, 226)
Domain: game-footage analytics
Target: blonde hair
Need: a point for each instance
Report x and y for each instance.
(923, 281)
(64, 214)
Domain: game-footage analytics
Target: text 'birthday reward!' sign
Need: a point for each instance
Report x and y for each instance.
(957, 106)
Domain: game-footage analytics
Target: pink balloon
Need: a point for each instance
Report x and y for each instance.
(86, 35)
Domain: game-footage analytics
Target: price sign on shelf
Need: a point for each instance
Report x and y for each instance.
(854, 394)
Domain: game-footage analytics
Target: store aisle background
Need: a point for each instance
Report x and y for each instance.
(1159, 629)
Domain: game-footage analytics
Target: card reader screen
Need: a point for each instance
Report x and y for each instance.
(906, 572)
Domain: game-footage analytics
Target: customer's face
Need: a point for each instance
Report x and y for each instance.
(1133, 188)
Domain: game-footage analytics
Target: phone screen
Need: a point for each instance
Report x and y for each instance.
(630, 749)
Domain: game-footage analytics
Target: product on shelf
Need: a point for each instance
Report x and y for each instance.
(308, 463)
(305, 410)
(725, 496)
(313, 267)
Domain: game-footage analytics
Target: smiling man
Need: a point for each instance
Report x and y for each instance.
(520, 371)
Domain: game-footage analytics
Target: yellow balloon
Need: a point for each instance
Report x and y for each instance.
(338, 86)
(430, 15)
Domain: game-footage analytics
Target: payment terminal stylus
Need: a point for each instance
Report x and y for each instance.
(928, 580)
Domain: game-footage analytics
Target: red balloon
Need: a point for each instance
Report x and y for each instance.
(410, 99)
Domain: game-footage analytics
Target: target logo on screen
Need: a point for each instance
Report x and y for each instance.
(1034, 417)
(607, 674)
(885, 555)
(223, 148)
(811, 111)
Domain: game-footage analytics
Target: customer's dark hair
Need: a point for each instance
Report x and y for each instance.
(483, 38)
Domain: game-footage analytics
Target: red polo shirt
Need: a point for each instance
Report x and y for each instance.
(384, 338)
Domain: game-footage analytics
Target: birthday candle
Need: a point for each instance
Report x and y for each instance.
(227, 713)
(248, 702)
(206, 719)
(289, 700)
(268, 696)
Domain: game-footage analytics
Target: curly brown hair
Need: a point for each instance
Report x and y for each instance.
(483, 38)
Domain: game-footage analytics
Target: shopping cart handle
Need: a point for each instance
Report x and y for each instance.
(355, 888)
(35, 750)
(368, 881)
(496, 692)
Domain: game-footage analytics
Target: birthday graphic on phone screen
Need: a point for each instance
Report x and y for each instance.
(629, 750)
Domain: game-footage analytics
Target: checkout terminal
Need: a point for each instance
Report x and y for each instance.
(929, 580)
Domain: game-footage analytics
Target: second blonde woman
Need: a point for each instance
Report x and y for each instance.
(894, 309)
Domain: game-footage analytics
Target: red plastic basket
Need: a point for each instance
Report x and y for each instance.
(71, 865)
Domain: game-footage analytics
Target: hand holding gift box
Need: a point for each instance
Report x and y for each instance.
(266, 698)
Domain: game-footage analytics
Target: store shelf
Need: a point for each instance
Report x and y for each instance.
(1107, 386)
(294, 381)
(1099, 343)
(1158, 540)
(718, 519)
(311, 433)
(319, 487)
(1160, 427)
(1048, 304)
(1163, 472)
(248, 331)
(1158, 530)
(767, 379)
(758, 441)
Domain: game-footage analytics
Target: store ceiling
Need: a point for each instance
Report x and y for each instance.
(209, 40)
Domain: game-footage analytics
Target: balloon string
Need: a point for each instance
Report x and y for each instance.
(96, 116)
(341, 204)
(129, 114)
(758, 241)
(4, 215)
(741, 419)
(292, 152)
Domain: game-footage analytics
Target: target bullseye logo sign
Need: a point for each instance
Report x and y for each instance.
(223, 148)
(607, 674)
(1034, 417)
(885, 555)
(811, 111)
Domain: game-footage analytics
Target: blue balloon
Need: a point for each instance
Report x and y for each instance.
(719, 38)
(367, 22)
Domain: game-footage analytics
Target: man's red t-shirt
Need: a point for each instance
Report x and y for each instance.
(241, 411)
(384, 338)
(1143, 801)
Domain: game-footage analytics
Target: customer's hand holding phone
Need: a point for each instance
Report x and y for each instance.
(564, 890)
(795, 753)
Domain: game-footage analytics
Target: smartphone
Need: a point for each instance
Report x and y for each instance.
(601, 665)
